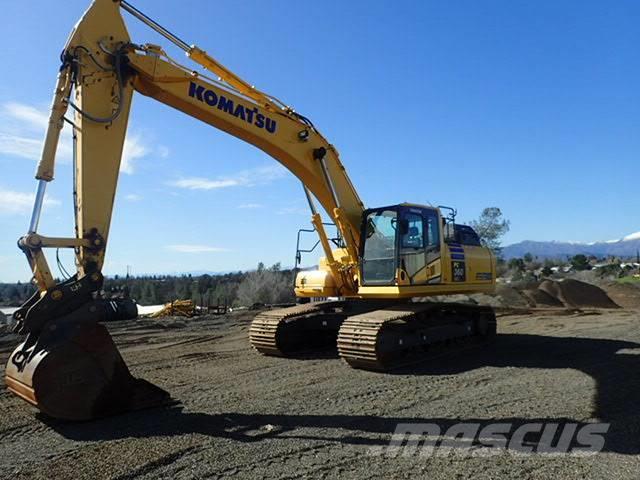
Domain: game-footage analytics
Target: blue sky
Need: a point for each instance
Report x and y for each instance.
(533, 107)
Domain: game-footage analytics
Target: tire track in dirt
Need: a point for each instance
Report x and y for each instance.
(266, 462)
(159, 463)
(33, 428)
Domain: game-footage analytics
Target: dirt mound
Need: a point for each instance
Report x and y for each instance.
(567, 293)
(511, 297)
(576, 294)
(505, 296)
(540, 298)
(624, 294)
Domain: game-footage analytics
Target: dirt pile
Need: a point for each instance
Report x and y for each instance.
(567, 293)
(505, 296)
(626, 295)
(574, 294)
(511, 297)
(540, 298)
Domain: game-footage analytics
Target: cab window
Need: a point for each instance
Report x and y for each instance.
(467, 235)
(379, 253)
(413, 236)
(433, 232)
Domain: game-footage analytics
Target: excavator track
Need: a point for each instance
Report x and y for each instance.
(312, 326)
(266, 331)
(403, 334)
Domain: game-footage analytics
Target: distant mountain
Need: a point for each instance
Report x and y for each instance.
(625, 247)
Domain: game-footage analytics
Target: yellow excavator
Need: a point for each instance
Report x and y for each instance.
(366, 284)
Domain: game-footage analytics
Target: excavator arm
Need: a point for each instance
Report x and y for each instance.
(101, 69)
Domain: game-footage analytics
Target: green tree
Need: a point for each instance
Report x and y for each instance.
(14, 294)
(149, 295)
(528, 258)
(516, 264)
(490, 227)
(580, 262)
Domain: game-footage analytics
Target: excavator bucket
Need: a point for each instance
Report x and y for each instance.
(72, 370)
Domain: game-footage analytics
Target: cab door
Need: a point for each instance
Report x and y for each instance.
(432, 225)
(419, 247)
(412, 253)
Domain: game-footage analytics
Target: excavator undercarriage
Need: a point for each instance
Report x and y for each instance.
(371, 335)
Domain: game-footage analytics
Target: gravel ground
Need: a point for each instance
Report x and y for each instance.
(247, 416)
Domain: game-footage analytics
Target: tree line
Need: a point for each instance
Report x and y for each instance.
(268, 285)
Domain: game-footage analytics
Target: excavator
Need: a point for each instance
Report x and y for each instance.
(374, 288)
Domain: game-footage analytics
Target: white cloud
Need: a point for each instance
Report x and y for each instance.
(187, 248)
(244, 178)
(293, 211)
(18, 146)
(134, 149)
(22, 130)
(23, 127)
(26, 113)
(251, 205)
(12, 202)
(132, 197)
(198, 183)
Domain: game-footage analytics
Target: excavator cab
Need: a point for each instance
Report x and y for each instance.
(401, 244)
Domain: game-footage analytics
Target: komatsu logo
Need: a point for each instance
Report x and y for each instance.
(249, 115)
